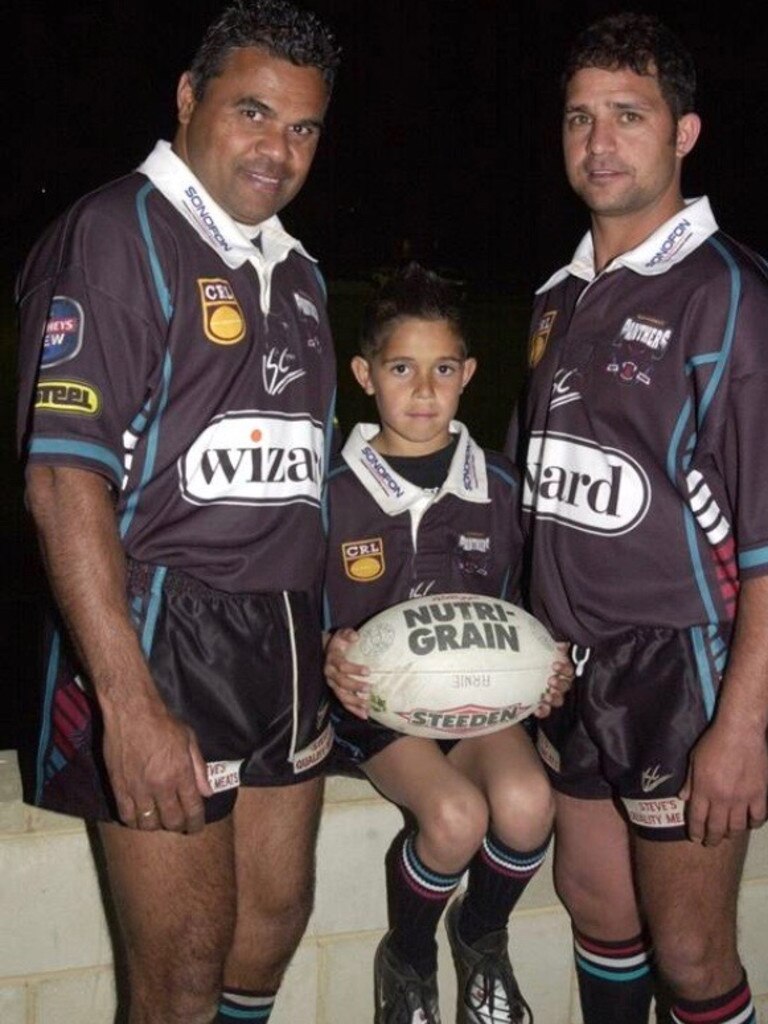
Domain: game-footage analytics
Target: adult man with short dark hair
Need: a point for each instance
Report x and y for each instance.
(642, 433)
(177, 379)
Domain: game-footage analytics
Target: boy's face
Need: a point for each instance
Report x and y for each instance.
(416, 379)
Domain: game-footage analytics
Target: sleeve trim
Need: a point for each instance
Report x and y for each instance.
(80, 449)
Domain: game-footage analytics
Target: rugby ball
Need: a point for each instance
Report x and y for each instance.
(454, 665)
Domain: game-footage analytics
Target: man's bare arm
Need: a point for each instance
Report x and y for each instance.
(728, 776)
(153, 759)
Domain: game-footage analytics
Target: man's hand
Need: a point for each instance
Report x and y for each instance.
(727, 779)
(156, 769)
(154, 763)
(727, 783)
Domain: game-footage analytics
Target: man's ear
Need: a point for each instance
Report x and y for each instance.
(688, 131)
(361, 368)
(185, 98)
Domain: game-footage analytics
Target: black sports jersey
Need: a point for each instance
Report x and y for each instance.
(390, 540)
(192, 369)
(642, 430)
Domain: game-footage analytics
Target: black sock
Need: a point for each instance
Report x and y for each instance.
(498, 876)
(417, 896)
(239, 1005)
(615, 980)
(733, 1006)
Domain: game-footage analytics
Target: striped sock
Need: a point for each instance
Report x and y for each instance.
(417, 897)
(498, 876)
(615, 980)
(237, 1004)
(735, 1007)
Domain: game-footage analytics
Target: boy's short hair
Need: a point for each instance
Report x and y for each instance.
(644, 44)
(410, 292)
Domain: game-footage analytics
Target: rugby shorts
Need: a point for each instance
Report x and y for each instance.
(244, 671)
(355, 741)
(630, 720)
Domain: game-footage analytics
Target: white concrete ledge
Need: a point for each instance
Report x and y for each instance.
(56, 960)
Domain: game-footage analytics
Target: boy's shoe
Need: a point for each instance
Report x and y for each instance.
(400, 994)
(487, 991)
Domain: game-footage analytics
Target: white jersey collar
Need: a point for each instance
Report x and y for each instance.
(667, 246)
(171, 176)
(467, 477)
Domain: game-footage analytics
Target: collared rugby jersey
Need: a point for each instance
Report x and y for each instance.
(642, 430)
(192, 369)
(390, 540)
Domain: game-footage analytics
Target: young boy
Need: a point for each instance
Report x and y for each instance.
(417, 507)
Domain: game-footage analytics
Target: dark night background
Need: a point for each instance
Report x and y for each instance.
(443, 136)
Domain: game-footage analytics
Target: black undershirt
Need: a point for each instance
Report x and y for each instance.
(427, 471)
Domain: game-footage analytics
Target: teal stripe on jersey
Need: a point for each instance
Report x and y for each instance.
(161, 287)
(753, 558)
(508, 478)
(153, 610)
(56, 762)
(674, 459)
(711, 357)
(320, 280)
(328, 440)
(165, 302)
(704, 669)
(149, 461)
(45, 731)
(730, 328)
(93, 452)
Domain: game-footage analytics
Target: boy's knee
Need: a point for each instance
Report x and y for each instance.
(456, 825)
(523, 817)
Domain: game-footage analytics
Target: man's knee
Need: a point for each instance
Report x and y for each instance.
(174, 996)
(696, 965)
(289, 917)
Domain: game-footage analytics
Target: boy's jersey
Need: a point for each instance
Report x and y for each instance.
(390, 540)
(191, 368)
(643, 434)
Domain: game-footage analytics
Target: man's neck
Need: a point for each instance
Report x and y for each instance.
(613, 236)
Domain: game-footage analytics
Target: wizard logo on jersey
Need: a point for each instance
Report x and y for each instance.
(540, 338)
(364, 559)
(223, 319)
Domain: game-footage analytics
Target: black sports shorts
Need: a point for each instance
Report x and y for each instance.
(244, 671)
(630, 721)
(355, 741)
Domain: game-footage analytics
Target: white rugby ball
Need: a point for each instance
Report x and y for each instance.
(454, 665)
